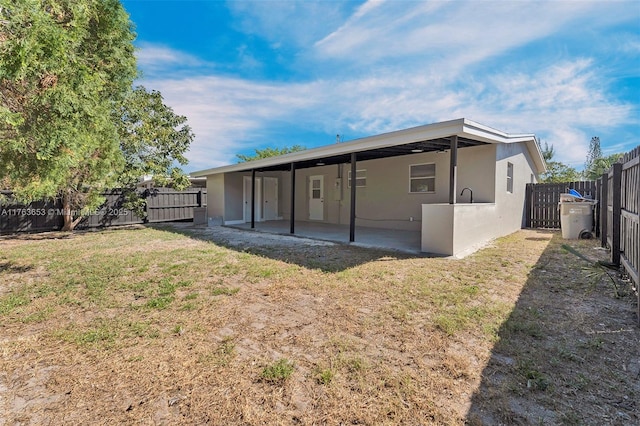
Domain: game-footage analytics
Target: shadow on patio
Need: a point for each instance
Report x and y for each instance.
(380, 238)
(319, 247)
(568, 353)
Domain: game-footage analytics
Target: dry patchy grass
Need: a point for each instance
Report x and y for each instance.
(146, 325)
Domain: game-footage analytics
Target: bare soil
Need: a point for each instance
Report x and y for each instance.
(176, 325)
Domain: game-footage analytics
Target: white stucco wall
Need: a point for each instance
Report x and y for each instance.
(511, 205)
(457, 230)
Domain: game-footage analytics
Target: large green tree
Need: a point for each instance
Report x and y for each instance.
(556, 170)
(269, 152)
(65, 66)
(596, 163)
(153, 141)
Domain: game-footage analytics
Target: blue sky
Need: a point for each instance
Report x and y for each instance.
(252, 74)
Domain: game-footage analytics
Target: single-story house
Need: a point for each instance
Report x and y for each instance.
(457, 184)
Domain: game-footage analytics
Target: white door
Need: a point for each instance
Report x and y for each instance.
(247, 199)
(316, 198)
(270, 196)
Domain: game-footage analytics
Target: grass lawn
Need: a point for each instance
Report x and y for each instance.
(158, 325)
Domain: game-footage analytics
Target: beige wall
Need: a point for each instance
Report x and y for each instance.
(215, 199)
(462, 228)
(233, 197)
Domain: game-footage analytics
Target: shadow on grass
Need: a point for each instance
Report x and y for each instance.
(305, 252)
(64, 235)
(568, 353)
(37, 236)
(11, 267)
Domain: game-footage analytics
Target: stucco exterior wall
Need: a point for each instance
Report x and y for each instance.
(233, 197)
(459, 229)
(215, 199)
(511, 205)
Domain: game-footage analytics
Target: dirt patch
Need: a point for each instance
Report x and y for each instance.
(178, 325)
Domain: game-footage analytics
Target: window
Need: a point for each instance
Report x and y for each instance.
(422, 178)
(509, 177)
(316, 190)
(361, 179)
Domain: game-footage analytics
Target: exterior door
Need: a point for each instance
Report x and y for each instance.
(270, 196)
(247, 200)
(316, 198)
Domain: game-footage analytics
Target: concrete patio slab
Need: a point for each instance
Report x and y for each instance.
(390, 239)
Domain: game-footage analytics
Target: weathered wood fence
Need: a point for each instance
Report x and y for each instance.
(620, 218)
(541, 203)
(163, 205)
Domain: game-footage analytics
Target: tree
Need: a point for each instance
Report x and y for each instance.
(559, 172)
(593, 156)
(547, 152)
(597, 164)
(152, 140)
(65, 66)
(556, 171)
(269, 152)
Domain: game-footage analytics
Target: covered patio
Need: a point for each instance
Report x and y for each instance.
(381, 185)
(386, 239)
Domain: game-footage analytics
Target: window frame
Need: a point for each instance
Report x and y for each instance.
(358, 178)
(412, 178)
(510, 169)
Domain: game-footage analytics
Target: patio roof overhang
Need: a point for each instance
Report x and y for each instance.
(440, 145)
(427, 138)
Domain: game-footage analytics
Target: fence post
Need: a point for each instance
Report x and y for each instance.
(146, 195)
(596, 196)
(617, 214)
(604, 208)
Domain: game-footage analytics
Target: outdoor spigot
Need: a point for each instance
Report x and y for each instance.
(470, 194)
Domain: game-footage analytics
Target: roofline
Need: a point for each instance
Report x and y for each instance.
(461, 127)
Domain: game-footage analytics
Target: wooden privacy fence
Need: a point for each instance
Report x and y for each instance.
(541, 202)
(163, 205)
(620, 218)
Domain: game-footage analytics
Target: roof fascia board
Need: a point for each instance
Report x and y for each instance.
(460, 127)
(488, 134)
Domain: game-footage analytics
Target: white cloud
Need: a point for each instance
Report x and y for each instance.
(456, 34)
(153, 55)
(404, 64)
(287, 22)
(228, 115)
